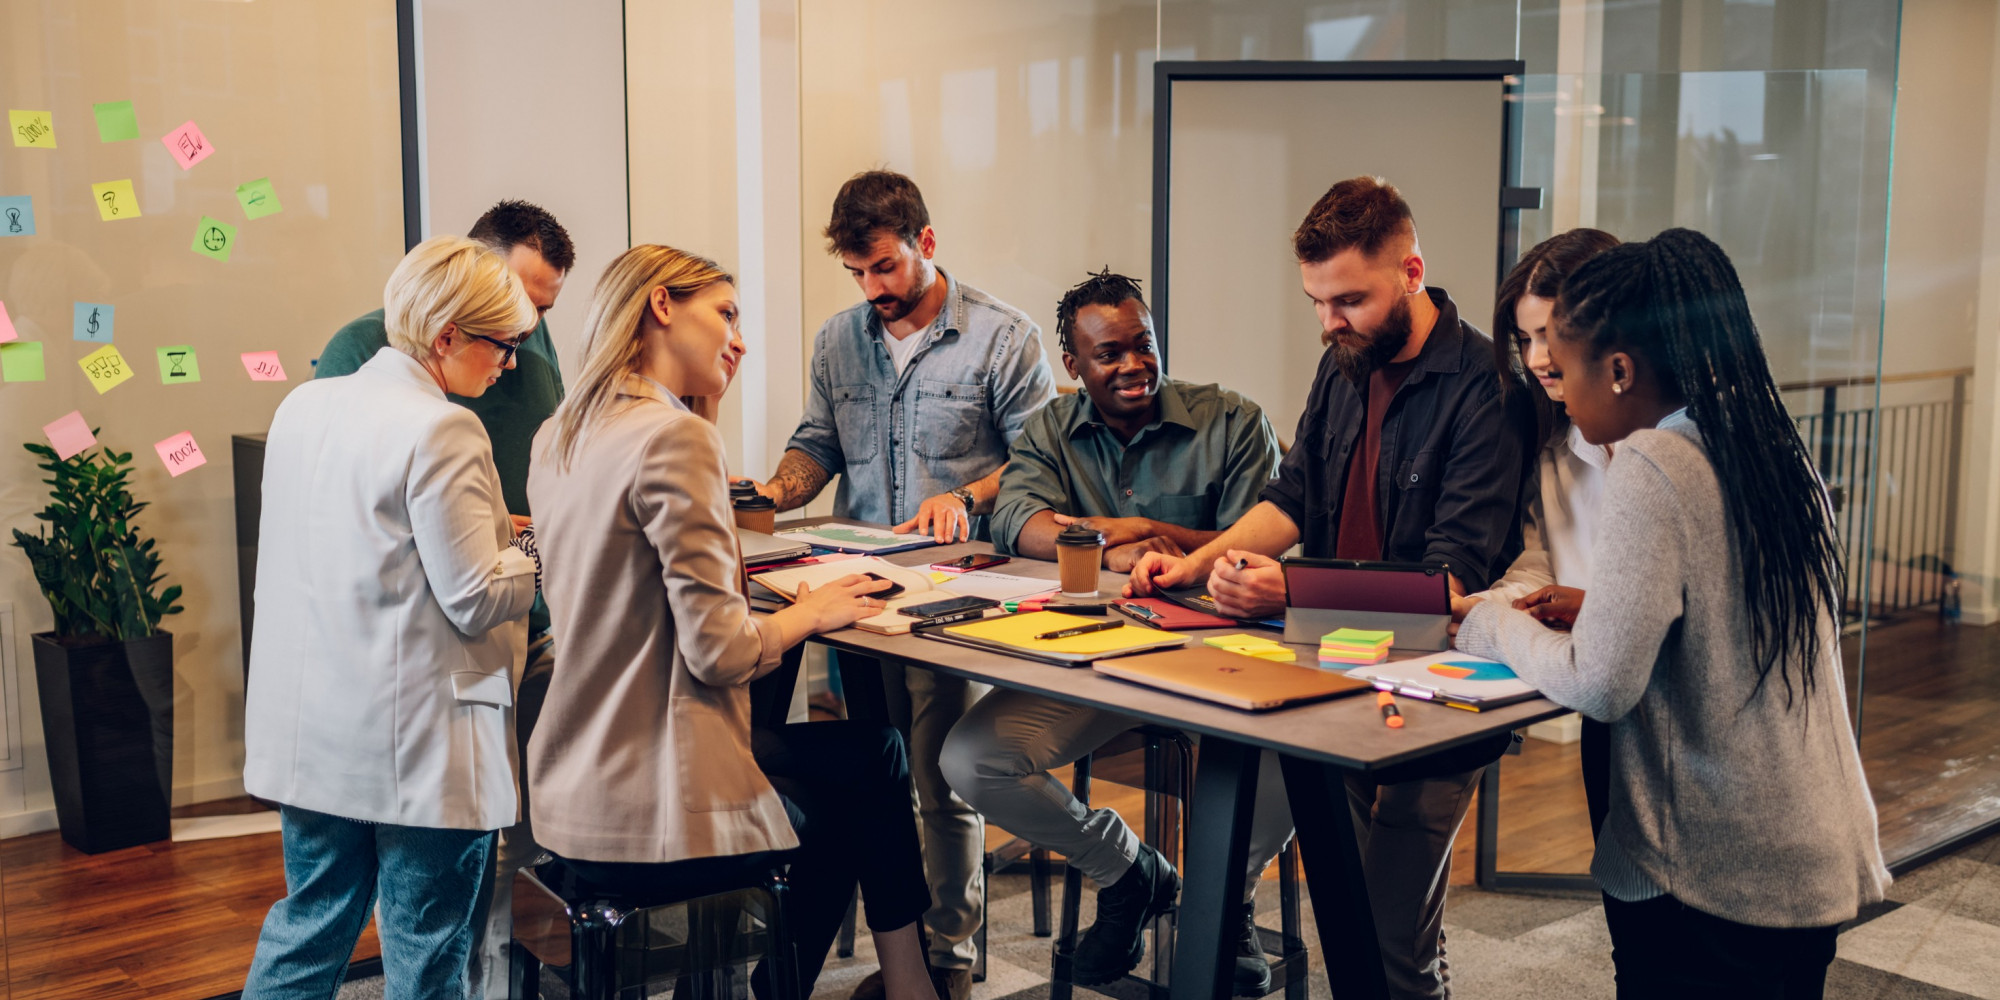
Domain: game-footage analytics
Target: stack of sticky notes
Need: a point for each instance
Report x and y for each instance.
(1252, 645)
(1353, 647)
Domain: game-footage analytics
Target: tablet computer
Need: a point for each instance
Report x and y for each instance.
(1412, 600)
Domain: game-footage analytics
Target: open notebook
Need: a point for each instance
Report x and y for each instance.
(919, 587)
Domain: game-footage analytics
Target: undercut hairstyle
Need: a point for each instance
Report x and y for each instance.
(1675, 300)
(1540, 273)
(1102, 288)
(513, 224)
(871, 203)
(1362, 213)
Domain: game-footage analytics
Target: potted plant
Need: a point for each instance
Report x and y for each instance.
(106, 671)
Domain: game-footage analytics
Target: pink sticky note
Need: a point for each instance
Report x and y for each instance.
(6, 326)
(188, 145)
(70, 434)
(264, 366)
(181, 453)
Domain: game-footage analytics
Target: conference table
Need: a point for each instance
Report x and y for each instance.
(1315, 743)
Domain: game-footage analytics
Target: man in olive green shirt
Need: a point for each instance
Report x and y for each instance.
(539, 252)
(1156, 465)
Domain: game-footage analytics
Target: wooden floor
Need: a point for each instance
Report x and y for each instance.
(179, 921)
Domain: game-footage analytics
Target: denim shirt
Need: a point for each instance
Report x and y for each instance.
(945, 422)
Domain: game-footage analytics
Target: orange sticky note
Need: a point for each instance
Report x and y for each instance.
(264, 366)
(180, 453)
(70, 434)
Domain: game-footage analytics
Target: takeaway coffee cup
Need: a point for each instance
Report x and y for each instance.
(1079, 551)
(755, 512)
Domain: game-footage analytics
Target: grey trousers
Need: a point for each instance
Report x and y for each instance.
(999, 757)
(1405, 832)
(925, 705)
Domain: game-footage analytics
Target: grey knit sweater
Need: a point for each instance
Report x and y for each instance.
(1736, 806)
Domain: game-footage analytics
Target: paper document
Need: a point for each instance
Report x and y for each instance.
(865, 539)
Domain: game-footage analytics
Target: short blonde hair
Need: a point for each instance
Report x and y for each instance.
(451, 279)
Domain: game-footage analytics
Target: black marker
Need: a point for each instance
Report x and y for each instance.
(1242, 564)
(1064, 633)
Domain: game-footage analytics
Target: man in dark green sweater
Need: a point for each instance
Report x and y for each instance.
(539, 252)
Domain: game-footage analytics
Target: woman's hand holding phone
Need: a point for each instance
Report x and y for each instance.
(841, 603)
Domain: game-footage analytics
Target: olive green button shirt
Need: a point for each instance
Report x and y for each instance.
(1200, 464)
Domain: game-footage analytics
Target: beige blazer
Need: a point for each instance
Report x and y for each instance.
(642, 750)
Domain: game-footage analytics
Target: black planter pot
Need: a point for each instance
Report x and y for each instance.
(108, 720)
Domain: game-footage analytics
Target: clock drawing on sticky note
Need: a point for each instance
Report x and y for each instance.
(1470, 671)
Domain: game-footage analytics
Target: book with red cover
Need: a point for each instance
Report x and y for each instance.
(1167, 615)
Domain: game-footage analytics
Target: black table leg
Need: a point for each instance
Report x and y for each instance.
(1335, 879)
(1225, 792)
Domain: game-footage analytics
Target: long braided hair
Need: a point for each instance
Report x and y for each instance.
(1675, 300)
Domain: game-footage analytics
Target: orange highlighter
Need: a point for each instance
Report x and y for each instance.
(1390, 717)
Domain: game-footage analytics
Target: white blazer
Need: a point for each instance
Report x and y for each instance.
(1561, 526)
(390, 608)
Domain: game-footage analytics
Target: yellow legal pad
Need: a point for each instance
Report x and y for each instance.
(1019, 631)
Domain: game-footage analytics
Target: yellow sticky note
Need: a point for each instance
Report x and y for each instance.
(36, 129)
(105, 368)
(115, 200)
(937, 577)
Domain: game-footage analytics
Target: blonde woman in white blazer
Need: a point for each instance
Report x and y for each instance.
(391, 616)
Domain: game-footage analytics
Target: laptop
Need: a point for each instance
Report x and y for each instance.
(760, 548)
(1412, 600)
(1231, 679)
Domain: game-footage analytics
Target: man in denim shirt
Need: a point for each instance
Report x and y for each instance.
(915, 396)
(1409, 451)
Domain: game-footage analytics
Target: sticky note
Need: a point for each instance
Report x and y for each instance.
(115, 200)
(69, 435)
(92, 322)
(21, 361)
(115, 121)
(257, 198)
(36, 129)
(188, 145)
(177, 365)
(213, 238)
(105, 368)
(7, 331)
(17, 215)
(180, 453)
(263, 366)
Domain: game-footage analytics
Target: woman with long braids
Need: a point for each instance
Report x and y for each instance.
(1741, 832)
(1548, 579)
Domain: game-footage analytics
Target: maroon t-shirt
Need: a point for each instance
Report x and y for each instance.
(1360, 533)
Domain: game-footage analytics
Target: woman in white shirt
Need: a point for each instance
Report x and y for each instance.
(1553, 570)
(391, 618)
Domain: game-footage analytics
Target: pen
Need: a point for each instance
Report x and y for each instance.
(1242, 564)
(1064, 633)
(1390, 717)
(1138, 613)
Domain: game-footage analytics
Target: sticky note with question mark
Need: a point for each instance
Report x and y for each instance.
(17, 216)
(115, 200)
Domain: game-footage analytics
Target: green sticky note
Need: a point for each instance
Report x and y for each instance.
(177, 365)
(115, 121)
(21, 361)
(257, 198)
(214, 238)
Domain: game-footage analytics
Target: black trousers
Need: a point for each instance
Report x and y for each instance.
(846, 789)
(1594, 754)
(1663, 948)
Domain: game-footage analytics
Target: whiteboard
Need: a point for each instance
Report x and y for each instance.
(1248, 158)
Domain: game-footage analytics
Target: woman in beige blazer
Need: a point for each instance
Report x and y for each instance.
(643, 773)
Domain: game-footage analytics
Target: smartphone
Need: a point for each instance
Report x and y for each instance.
(949, 606)
(883, 595)
(966, 564)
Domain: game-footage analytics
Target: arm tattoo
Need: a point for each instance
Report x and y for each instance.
(797, 480)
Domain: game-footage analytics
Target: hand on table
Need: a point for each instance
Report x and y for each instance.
(1122, 558)
(841, 603)
(1556, 607)
(1158, 571)
(943, 517)
(1117, 530)
(1255, 591)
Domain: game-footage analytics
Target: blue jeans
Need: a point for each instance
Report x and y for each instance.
(432, 885)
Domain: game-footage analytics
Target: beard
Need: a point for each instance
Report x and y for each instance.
(1381, 344)
(892, 308)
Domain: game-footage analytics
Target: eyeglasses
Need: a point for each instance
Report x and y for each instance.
(507, 350)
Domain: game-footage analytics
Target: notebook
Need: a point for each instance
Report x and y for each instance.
(857, 538)
(1225, 678)
(1153, 612)
(917, 588)
(1015, 634)
(1460, 680)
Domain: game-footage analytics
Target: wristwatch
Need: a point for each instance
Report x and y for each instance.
(965, 496)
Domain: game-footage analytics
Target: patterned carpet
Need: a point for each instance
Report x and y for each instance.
(1937, 937)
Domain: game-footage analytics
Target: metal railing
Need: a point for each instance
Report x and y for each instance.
(1914, 450)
